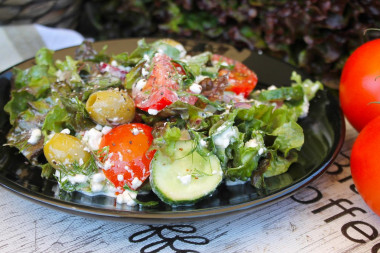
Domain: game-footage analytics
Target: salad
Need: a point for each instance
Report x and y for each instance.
(154, 120)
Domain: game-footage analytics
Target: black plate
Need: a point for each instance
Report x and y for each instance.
(324, 135)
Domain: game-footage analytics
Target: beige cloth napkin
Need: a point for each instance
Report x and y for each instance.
(21, 42)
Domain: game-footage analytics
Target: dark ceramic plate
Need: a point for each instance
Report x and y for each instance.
(324, 134)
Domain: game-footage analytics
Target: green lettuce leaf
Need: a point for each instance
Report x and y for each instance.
(281, 94)
(18, 104)
(279, 164)
(70, 66)
(21, 131)
(133, 75)
(55, 120)
(79, 119)
(309, 87)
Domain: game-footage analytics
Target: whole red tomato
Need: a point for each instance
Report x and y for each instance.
(365, 162)
(360, 85)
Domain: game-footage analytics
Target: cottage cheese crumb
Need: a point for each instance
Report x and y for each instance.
(152, 111)
(127, 197)
(140, 84)
(224, 139)
(252, 143)
(195, 88)
(120, 178)
(136, 183)
(35, 136)
(98, 177)
(78, 179)
(135, 131)
(65, 131)
(144, 72)
(107, 164)
(106, 130)
(92, 138)
(96, 187)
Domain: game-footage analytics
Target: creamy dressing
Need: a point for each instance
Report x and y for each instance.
(223, 139)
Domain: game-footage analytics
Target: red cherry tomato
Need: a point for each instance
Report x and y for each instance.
(128, 156)
(179, 68)
(360, 85)
(160, 89)
(241, 79)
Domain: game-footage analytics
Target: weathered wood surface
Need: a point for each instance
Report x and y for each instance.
(286, 226)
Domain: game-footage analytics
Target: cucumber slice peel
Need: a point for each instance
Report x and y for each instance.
(186, 177)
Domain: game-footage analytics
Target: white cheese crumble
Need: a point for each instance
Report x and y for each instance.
(107, 164)
(252, 143)
(185, 179)
(141, 84)
(223, 140)
(195, 88)
(136, 183)
(65, 131)
(92, 138)
(96, 187)
(98, 177)
(35, 136)
(135, 131)
(203, 143)
(78, 179)
(200, 78)
(146, 57)
(120, 177)
(127, 197)
(152, 111)
(224, 64)
(106, 130)
(144, 72)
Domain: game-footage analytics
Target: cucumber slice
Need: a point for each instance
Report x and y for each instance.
(186, 177)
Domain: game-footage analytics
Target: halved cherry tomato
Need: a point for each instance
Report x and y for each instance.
(128, 156)
(241, 79)
(160, 89)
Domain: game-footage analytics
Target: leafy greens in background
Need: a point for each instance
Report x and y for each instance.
(317, 36)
